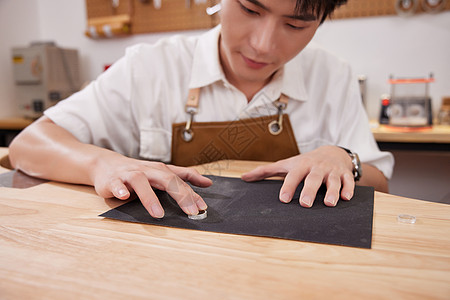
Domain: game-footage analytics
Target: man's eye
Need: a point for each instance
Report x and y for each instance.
(247, 10)
(295, 27)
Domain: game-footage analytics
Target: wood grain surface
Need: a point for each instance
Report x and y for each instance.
(435, 134)
(14, 123)
(53, 245)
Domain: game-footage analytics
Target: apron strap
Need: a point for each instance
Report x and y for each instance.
(275, 127)
(191, 108)
(284, 100)
(192, 101)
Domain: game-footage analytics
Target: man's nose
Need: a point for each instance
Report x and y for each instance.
(263, 39)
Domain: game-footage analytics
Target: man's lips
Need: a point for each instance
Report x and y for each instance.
(253, 64)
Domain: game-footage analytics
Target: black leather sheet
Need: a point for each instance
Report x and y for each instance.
(238, 207)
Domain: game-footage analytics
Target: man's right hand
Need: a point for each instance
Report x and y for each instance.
(48, 151)
(118, 176)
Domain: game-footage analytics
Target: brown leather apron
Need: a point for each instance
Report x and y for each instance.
(268, 138)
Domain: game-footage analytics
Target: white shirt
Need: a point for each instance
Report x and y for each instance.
(131, 107)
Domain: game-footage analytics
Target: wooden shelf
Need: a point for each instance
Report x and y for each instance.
(14, 123)
(435, 134)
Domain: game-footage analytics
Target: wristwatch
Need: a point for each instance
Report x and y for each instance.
(357, 168)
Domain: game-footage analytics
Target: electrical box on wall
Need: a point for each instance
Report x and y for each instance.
(44, 74)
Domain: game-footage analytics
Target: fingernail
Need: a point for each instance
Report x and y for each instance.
(157, 211)
(122, 192)
(285, 197)
(208, 183)
(307, 201)
(331, 200)
(201, 205)
(348, 196)
(192, 209)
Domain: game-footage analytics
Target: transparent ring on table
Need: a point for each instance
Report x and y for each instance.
(403, 218)
(202, 214)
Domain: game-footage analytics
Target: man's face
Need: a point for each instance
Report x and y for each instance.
(259, 36)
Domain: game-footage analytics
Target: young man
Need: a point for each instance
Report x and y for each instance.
(111, 134)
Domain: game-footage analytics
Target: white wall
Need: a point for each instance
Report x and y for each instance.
(380, 46)
(18, 26)
(376, 47)
(64, 21)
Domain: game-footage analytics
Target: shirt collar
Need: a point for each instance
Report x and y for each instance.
(207, 69)
(293, 81)
(289, 80)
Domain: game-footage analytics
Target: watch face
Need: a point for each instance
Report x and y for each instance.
(358, 172)
(357, 169)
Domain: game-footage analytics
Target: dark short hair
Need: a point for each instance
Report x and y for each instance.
(321, 8)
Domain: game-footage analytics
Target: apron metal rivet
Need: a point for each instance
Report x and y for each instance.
(275, 128)
(187, 135)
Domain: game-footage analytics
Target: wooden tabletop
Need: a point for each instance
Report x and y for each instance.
(53, 245)
(14, 123)
(434, 134)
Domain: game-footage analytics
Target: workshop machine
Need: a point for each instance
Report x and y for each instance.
(410, 102)
(44, 74)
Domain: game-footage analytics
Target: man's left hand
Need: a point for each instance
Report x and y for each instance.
(330, 165)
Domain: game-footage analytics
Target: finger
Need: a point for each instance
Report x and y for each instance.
(348, 186)
(194, 177)
(189, 201)
(140, 184)
(290, 184)
(119, 190)
(313, 181)
(191, 175)
(261, 172)
(333, 186)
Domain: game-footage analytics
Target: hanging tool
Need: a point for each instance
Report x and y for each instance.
(213, 9)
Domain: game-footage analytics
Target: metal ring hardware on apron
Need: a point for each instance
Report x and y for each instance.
(268, 138)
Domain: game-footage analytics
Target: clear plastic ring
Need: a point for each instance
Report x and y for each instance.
(403, 218)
